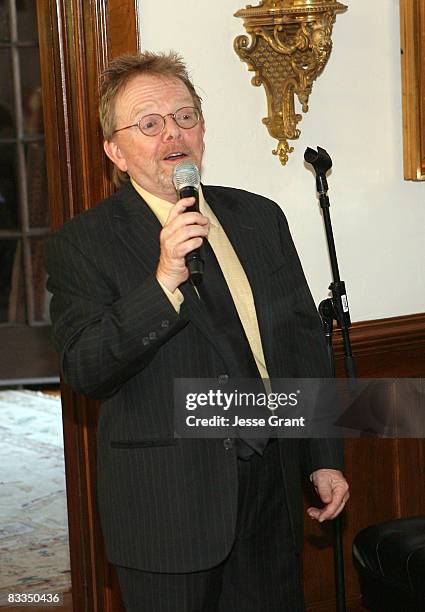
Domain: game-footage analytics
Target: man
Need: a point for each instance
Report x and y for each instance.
(192, 525)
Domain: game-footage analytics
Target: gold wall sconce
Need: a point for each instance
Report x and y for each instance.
(289, 48)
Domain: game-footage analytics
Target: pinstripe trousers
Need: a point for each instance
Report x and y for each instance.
(261, 573)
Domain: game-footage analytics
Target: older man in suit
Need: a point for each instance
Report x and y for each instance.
(191, 525)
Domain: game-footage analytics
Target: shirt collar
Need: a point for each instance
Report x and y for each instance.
(161, 208)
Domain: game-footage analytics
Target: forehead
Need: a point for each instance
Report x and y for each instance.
(152, 92)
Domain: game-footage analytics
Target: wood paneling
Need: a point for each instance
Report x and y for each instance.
(387, 477)
(385, 348)
(77, 38)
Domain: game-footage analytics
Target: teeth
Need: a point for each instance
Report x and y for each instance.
(174, 155)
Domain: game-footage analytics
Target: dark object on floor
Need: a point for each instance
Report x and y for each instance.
(390, 558)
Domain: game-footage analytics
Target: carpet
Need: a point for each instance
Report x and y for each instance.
(34, 551)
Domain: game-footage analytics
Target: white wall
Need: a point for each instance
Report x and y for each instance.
(355, 113)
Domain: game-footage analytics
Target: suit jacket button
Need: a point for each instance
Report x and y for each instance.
(228, 443)
(223, 379)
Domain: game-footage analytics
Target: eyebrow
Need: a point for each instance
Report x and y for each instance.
(142, 110)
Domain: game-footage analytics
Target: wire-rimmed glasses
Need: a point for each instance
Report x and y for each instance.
(152, 125)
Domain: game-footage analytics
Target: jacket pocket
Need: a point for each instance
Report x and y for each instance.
(142, 443)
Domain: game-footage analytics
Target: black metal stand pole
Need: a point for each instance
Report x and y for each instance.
(333, 309)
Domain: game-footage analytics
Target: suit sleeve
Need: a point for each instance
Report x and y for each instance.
(103, 339)
(312, 355)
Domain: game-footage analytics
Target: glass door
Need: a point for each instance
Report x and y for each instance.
(25, 352)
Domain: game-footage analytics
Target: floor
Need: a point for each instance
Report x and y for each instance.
(34, 553)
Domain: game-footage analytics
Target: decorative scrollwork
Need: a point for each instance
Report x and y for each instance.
(289, 48)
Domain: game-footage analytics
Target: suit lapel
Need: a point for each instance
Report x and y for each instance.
(139, 229)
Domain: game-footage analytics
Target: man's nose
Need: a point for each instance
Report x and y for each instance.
(171, 129)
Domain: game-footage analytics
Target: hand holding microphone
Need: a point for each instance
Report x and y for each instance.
(182, 235)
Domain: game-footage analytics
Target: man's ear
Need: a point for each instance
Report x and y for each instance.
(114, 153)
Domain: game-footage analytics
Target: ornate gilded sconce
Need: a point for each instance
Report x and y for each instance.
(289, 48)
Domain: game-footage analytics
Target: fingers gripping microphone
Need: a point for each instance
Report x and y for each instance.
(186, 180)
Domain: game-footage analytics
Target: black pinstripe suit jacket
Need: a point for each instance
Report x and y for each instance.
(169, 505)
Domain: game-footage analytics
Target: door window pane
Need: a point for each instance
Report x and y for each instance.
(8, 272)
(8, 188)
(33, 108)
(39, 280)
(4, 21)
(38, 207)
(7, 107)
(27, 20)
(29, 63)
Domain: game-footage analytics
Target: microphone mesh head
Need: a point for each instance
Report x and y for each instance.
(186, 174)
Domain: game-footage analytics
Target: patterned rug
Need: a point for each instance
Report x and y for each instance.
(34, 553)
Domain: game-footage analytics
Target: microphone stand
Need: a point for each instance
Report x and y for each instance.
(333, 309)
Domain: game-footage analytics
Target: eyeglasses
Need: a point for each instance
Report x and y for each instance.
(152, 125)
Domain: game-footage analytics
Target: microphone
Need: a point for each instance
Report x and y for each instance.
(186, 180)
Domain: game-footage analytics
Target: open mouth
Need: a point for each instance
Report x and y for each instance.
(175, 156)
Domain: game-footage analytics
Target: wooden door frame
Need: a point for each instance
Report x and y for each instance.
(77, 39)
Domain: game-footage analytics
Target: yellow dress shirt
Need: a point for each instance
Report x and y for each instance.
(230, 265)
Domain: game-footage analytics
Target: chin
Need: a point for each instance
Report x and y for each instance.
(165, 182)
